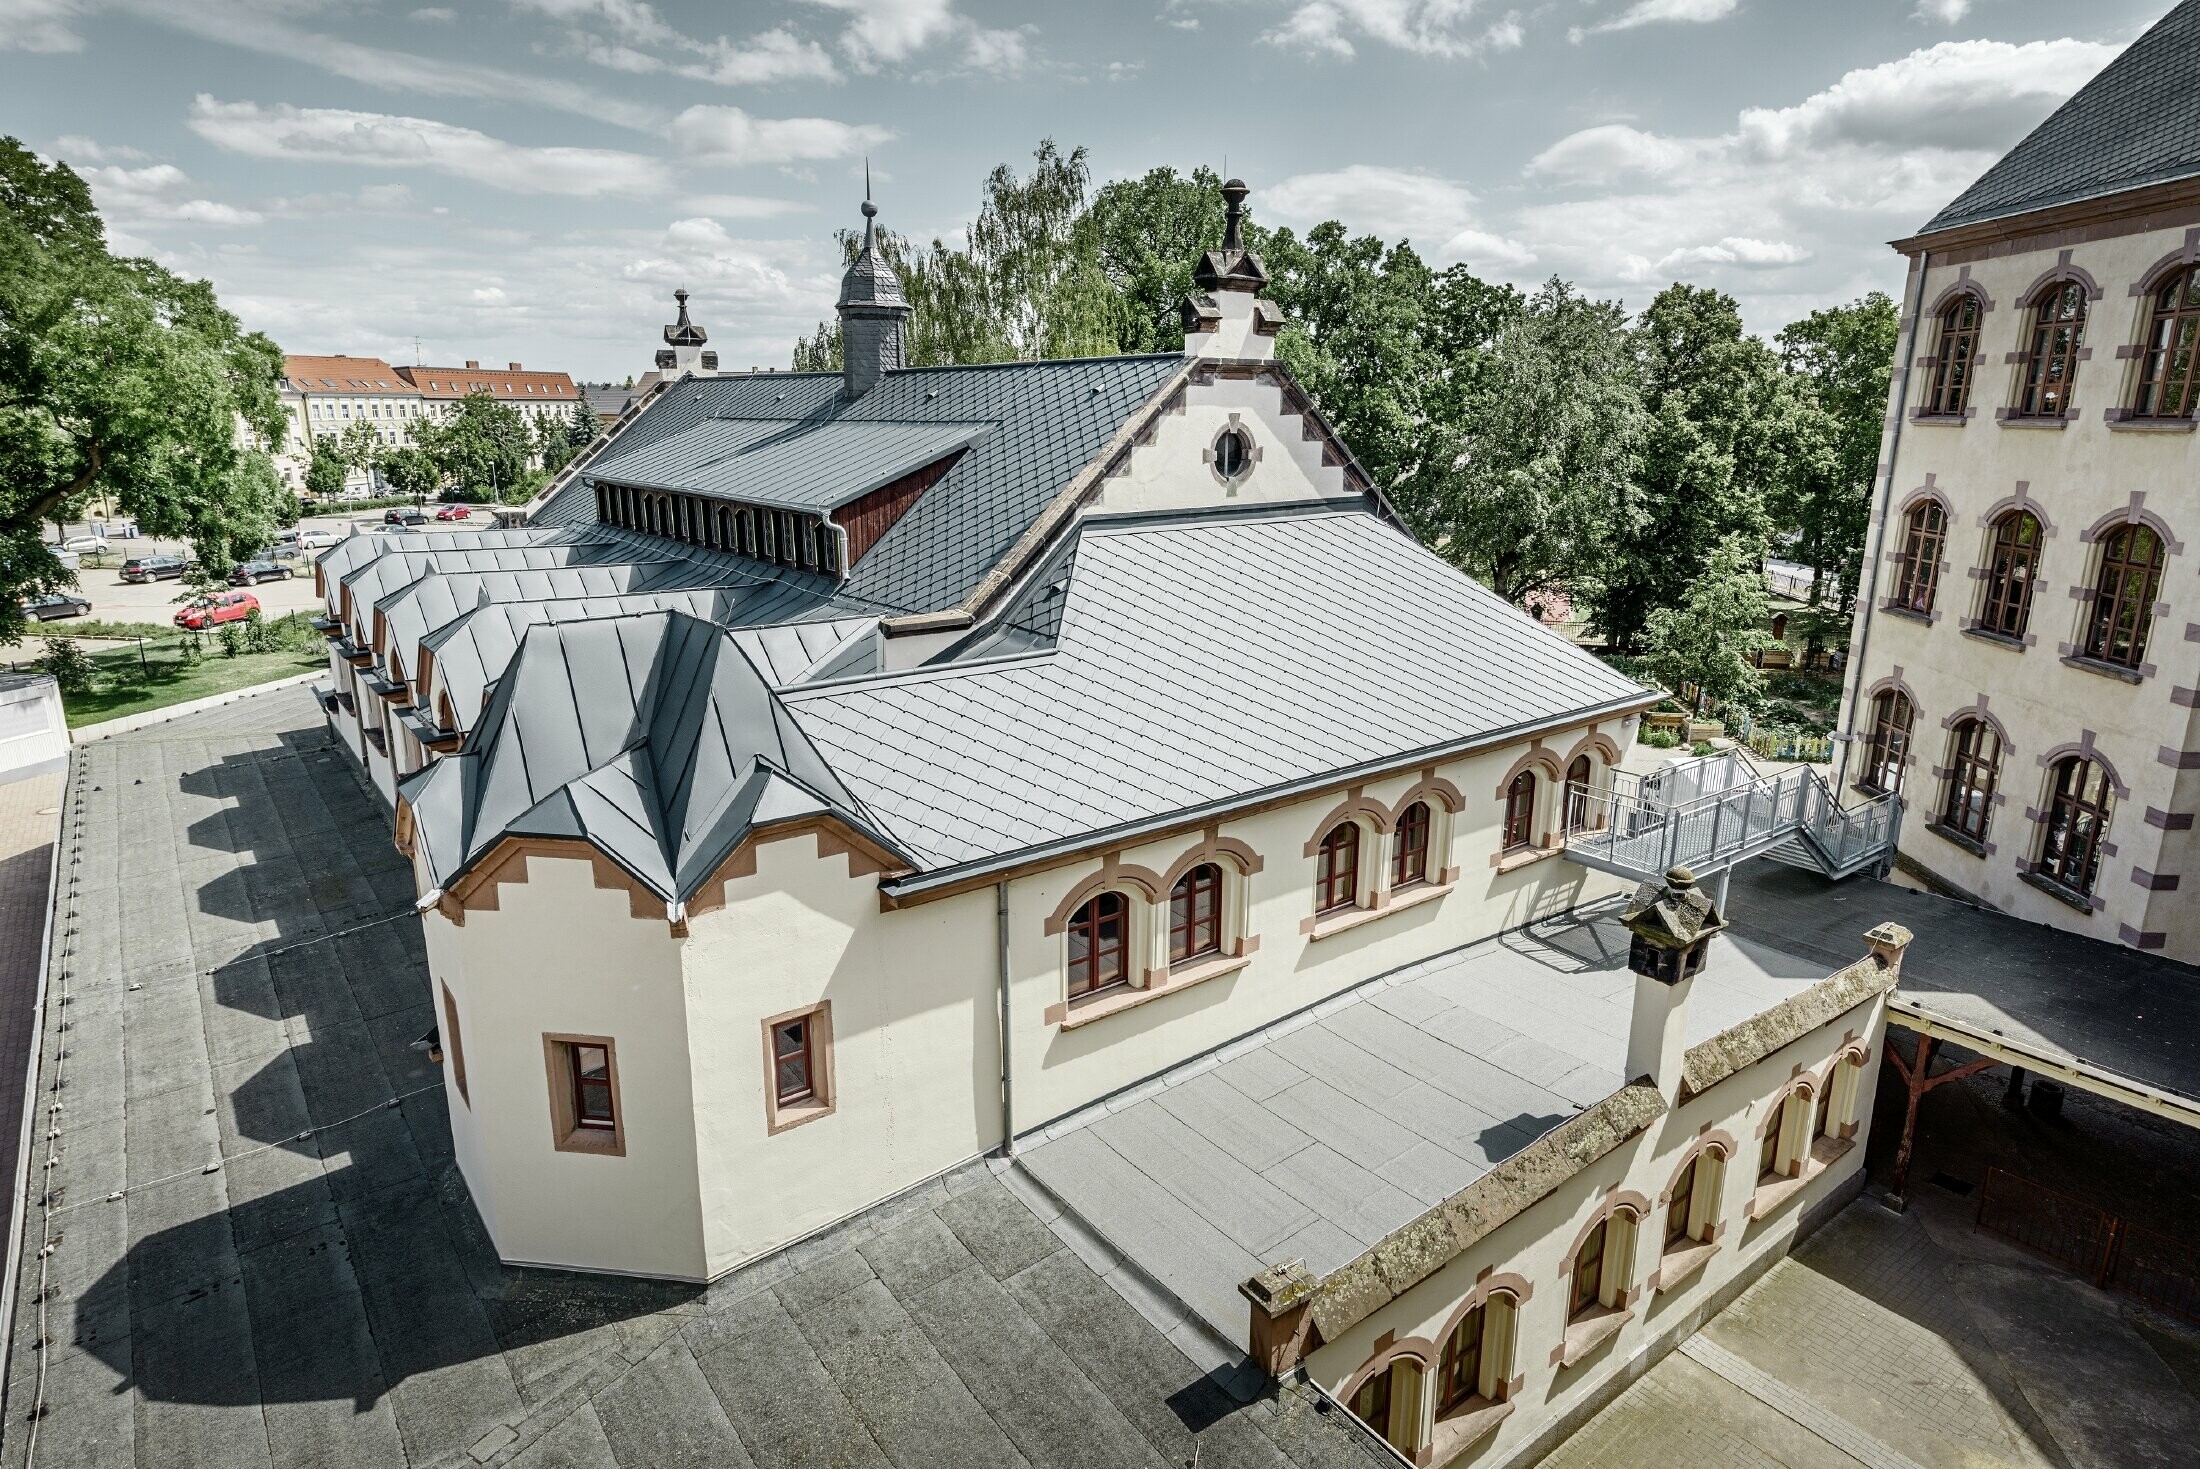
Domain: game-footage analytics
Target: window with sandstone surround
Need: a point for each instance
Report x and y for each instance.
(1578, 776)
(1768, 1154)
(455, 1046)
(2079, 806)
(1926, 532)
(1099, 945)
(1975, 752)
(1409, 849)
(1588, 1274)
(798, 1067)
(1371, 1404)
(2130, 579)
(2051, 358)
(2012, 565)
(1195, 914)
(1892, 718)
(2169, 355)
(1520, 812)
(585, 1115)
(1337, 869)
(1956, 360)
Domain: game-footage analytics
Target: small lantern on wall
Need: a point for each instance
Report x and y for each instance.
(1672, 922)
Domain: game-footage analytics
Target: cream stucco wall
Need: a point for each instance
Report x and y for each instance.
(562, 956)
(1538, 1244)
(2074, 478)
(1172, 473)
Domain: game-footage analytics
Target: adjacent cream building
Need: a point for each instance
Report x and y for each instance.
(2027, 665)
(325, 396)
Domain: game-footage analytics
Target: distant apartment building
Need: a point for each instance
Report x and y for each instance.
(537, 395)
(327, 395)
(2027, 666)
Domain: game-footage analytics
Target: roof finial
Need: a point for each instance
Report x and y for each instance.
(1233, 214)
(870, 210)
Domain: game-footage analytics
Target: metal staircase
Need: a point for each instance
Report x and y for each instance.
(1713, 813)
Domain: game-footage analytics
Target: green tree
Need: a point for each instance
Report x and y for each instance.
(1147, 235)
(1717, 403)
(553, 442)
(409, 470)
(482, 446)
(1532, 452)
(325, 469)
(581, 428)
(1708, 638)
(360, 446)
(119, 378)
(1846, 356)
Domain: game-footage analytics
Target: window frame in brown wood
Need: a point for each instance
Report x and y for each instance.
(1410, 846)
(2080, 805)
(2125, 587)
(1925, 535)
(1888, 746)
(1578, 776)
(1375, 1393)
(569, 1133)
(1974, 769)
(2012, 570)
(1454, 1385)
(1578, 1301)
(1955, 359)
(1088, 927)
(587, 1087)
(1195, 914)
(1768, 1151)
(1337, 868)
(1681, 1202)
(1518, 832)
(804, 1089)
(2163, 389)
(2051, 360)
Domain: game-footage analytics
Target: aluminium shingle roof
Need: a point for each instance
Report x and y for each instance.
(2134, 124)
(1199, 659)
(815, 465)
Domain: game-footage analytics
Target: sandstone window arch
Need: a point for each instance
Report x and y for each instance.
(2053, 351)
(2168, 380)
(2012, 568)
(1955, 356)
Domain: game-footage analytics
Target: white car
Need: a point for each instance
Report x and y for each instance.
(317, 539)
(81, 544)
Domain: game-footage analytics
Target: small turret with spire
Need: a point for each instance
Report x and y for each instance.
(874, 314)
(683, 350)
(1226, 316)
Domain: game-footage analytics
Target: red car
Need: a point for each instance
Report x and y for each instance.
(455, 512)
(216, 608)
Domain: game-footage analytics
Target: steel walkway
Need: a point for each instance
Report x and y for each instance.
(1713, 813)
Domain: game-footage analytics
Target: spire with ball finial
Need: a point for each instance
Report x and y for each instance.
(1225, 317)
(874, 313)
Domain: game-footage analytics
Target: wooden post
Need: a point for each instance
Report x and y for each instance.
(1913, 1075)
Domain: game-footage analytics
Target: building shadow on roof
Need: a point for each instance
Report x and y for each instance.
(1575, 942)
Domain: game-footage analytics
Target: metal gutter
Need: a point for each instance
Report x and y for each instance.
(1847, 737)
(1008, 1027)
(19, 1218)
(925, 884)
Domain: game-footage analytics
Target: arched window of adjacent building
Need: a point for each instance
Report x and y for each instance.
(1371, 1404)
(1588, 1273)
(2123, 596)
(2079, 805)
(2169, 360)
(1099, 944)
(1195, 914)
(1974, 766)
(1926, 531)
(1337, 868)
(2012, 566)
(1520, 811)
(1892, 718)
(2051, 358)
(1768, 1153)
(1577, 794)
(1409, 849)
(1691, 1193)
(1953, 365)
(1459, 1371)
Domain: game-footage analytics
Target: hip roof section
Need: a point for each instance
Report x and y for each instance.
(814, 465)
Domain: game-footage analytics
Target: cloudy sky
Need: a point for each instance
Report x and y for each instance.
(529, 179)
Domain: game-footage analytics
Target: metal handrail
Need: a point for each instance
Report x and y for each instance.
(1642, 832)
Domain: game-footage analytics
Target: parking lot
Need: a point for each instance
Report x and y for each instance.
(115, 600)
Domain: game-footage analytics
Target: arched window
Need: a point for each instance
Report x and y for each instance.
(1459, 1371)
(2123, 596)
(1951, 385)
(1195, 914)
(1337, 869)
(1768, 1156)
(1892, 717)
(1975, 757)
(1577, 795)
(2051, 359)
(1409, 854)
(1371, 1404)
(1824, 1121)
(1589, 1261)
(1519, 811)
(2169, 362)
(2012, 566)
(1921, 543)
(1683, 1202)
(1099, 944)
(2078, 809)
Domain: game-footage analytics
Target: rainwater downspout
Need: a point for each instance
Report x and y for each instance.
(1008, 1030)
(1886, 499)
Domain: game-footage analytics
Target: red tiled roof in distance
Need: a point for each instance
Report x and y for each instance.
(344, 375)
(514, 385)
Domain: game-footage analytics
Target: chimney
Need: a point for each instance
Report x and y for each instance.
(1226, 316)
(513, 367)
(683, 350)
(472, 365)
(873, 312)
(1672, 923)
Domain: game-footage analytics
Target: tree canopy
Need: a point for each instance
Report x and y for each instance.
(119, 377)
(482, 446)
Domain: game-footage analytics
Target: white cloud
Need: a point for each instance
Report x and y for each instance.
(743, 206)
(1003, 52)
(1435, 213)
(1660, 12)
(631, 19)
(435, 15)
(775, 55)
(369, 199)
(1441, 28)
(381, 140)
(1947, 12)
(160, 193)
(487, 296)
(1610, 151)
(76, 148)
(728, 135)
(880, 31)
(40, 25)
(1736, 250)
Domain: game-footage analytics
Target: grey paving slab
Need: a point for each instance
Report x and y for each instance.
(1235, 1198)
(664, 1414)
(1255, 1133)
(1319, 1112)
(781, 1400)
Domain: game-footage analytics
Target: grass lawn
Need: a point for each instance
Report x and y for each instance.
(174, 670)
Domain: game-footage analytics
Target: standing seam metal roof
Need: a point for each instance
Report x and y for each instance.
(811, 465)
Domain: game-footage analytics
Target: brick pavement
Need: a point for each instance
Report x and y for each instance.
(30, 816)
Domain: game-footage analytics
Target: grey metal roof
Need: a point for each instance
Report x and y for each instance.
(653, 737)
(814, 465)
(1200, 659)
(371, 582)
(472, 650)
(1050, 420)
(2134, 124)
(1317, 1138)
(356, 550)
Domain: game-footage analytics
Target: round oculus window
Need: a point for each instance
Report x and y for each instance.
(1233, 454)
